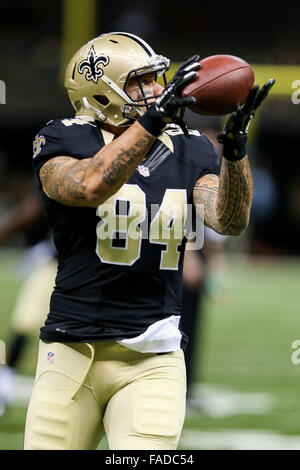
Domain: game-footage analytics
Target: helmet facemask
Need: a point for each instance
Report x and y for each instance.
(135, 108)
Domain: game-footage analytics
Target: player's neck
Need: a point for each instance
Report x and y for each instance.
(113, 129)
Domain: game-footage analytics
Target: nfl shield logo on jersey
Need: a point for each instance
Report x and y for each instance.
(143, 170)
(50, 357)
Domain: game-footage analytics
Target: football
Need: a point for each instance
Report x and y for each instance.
(222, 83)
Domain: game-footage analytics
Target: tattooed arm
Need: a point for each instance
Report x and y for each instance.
(91, 181)
(227, 199)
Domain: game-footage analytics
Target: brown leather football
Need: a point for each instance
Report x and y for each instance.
(222, 83)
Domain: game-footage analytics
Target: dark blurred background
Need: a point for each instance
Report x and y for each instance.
(37, 38)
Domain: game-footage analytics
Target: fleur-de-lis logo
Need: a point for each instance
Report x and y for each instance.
(37, 144)
(91, 64)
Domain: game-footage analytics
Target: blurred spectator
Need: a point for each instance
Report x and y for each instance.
(203, 272)
(203, 275)
(37, 270)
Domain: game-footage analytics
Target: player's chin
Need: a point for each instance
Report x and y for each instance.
(149, 103)
(152, 100)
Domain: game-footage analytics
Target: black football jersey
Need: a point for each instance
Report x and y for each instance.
(120, 265)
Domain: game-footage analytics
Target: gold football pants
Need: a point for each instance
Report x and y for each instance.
(84, 390)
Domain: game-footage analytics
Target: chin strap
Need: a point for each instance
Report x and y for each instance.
(103, 118)
(98, 113)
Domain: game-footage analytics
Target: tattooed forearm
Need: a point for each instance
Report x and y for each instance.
(127, 159)
(227, 200)
(235, 195)
(90, 181)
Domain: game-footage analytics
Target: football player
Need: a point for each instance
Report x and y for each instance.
(116, 182)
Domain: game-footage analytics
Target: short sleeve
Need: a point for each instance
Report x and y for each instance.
(201, 155)
(213, 164)
(47, 144)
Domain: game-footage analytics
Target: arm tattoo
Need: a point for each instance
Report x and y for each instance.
(126, 158)
(69, 181)
(227, 200)
(63, 179)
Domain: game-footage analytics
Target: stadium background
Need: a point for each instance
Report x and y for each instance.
(245, 381)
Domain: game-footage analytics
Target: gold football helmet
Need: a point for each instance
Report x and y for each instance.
(97, 75)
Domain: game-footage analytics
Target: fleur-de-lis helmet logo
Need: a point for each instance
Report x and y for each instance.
(91, 65)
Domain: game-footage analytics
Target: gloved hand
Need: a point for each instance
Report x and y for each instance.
(169, 106)
(234, 134)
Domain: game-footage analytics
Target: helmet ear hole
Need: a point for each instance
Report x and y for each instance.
(77, 105)
(101, 99)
